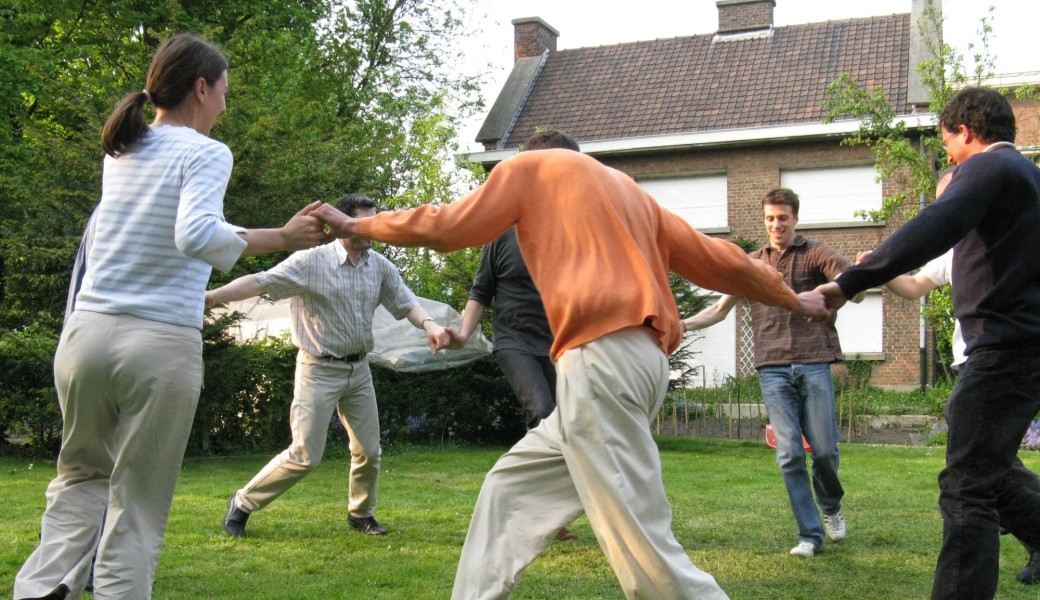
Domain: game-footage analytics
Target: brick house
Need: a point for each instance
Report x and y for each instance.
(708, 123)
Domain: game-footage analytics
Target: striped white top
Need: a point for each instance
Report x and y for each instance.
(333, 300)
(160, 228)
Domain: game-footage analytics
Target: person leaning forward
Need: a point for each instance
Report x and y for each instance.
(599, 248)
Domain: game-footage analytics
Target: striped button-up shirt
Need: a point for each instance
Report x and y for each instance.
(333, 299)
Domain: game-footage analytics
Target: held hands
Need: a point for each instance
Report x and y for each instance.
(304, 230)
(812, 306)
(437, 337)
(833, 297)
(456, 340)
(340, 225)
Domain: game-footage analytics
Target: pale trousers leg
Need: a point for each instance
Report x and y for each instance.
(322, 388)
(594, 453)
(128, 389)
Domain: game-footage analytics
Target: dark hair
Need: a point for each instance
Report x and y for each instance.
(551, 138)
(782, 196)
(350, 204)
(985, 111)
(178, 63)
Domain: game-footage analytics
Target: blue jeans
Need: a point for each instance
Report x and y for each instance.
(984, 482)
(800, 401)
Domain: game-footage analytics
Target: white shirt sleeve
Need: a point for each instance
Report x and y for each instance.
(940, 269)
(201, 231)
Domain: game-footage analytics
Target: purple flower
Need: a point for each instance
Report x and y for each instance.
(1032, 439)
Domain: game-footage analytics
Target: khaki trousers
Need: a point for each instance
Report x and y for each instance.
(128, 389)
(595, 454)
(323, 387)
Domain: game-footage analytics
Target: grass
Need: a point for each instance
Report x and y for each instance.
(730, 513)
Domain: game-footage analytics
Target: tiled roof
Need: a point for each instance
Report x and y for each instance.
(695, 84)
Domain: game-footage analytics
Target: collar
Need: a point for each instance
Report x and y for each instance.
(343, 258)
(799, 240)
(998, 145)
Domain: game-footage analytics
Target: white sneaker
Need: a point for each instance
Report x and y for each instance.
(804, 549)
(835, 526)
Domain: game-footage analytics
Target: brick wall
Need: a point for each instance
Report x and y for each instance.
(745, 15)
(531, 37)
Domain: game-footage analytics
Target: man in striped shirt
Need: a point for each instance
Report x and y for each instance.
(335, 289)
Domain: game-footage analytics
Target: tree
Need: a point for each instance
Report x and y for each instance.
(326, 97)
(913, 161)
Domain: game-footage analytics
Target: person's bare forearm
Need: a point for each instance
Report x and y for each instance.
(244, 287)
(715, 313)
(911, 287)
(471, 316)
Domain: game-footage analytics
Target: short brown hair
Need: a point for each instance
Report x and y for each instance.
(782, 196)
(551, 138)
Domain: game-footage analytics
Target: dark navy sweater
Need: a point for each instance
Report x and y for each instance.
(990, 215)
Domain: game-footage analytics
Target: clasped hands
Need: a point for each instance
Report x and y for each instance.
(317, 223)
(821, 303)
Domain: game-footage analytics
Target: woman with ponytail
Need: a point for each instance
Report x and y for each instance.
(128, 369)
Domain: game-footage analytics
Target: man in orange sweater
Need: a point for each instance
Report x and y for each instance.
(599, 249)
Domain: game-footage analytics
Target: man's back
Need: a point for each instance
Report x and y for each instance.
(519, 319)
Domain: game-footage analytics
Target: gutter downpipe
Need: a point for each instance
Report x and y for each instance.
(923, 343)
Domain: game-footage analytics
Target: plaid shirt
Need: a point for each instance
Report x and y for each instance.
(783, 337)
(333, 300)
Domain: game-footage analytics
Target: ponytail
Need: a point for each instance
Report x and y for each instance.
(178, 62)
(126, 124)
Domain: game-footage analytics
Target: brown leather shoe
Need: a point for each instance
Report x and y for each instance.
(565, 534)
(366, 525)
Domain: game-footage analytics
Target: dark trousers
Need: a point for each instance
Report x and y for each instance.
(533, 379)
(984, 484)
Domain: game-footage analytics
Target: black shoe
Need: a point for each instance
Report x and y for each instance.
(235, 519)
(366, 525)
(1031, 572)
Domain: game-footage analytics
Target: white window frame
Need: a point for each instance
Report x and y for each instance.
(830, 197)
(702, 200)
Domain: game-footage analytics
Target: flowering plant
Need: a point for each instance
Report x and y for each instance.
(1032, 439)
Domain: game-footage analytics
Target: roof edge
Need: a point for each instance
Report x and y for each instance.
(510, 101)
(709, 139)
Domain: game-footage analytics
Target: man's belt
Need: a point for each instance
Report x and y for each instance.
(350, 358)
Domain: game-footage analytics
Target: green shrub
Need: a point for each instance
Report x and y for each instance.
(472, 404)
(246, 394)
(248, 389)
(28, 402)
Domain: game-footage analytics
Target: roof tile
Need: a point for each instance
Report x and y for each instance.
(695, 84)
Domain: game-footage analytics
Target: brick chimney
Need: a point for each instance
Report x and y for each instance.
(741, 16)
(531, 37)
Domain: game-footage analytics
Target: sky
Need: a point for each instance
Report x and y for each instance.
(584, 23)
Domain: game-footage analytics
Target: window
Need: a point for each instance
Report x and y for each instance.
(833, 196)
(702, 200)
(860, 326)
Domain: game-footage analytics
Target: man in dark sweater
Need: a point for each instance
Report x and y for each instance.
(990, 215)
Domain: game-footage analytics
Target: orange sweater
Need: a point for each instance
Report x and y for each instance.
(599, 248)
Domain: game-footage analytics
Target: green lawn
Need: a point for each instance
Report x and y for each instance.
(730, 513)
